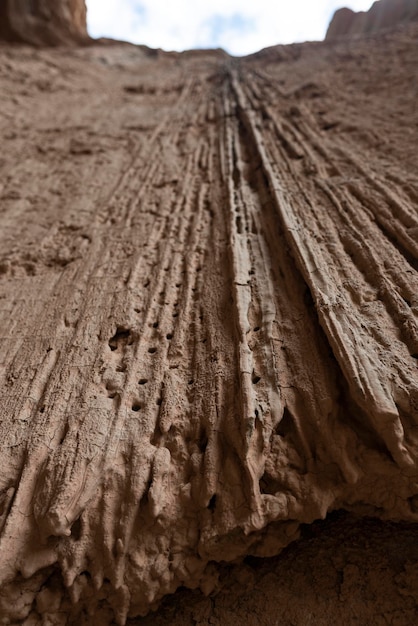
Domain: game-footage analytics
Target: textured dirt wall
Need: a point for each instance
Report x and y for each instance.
(208, 301)
(383, 14)
(341, 571)
(43, 22)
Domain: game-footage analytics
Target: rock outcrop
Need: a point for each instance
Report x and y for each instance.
(382, 15)
(208, 311)
(43, 22)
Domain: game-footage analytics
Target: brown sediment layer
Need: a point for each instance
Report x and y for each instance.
(384, 14)
(43, 22)
(208, 310)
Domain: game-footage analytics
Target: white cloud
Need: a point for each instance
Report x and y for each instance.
(238, 26)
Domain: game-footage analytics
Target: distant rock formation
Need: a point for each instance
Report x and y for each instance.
(43, 22)
(383, 14)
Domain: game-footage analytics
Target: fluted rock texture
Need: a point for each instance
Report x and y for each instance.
(382, 15)
(39, 22)
(208, 301)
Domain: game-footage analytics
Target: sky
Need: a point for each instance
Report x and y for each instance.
(239, 26)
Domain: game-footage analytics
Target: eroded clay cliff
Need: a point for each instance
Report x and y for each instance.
(384, 14)
(41, 22)
(208, 307)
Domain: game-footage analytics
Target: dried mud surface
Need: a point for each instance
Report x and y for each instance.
(208, 302)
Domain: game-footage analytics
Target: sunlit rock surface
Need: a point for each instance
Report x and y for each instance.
(384, 14)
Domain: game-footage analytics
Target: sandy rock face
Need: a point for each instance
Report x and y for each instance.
(383, 14)
(208, 313)
(43, 21)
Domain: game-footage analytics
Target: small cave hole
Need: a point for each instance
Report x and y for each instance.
(212, 503)
(169, 336)
(256, 379)
(143, 381)
(159, 401)
(155, 325)
(136, 407)
(152, 350)
(285, 426)
(76, 530)
(191, 381)
(120, 338)
(175, 314)
(268, 485)
(256, 329)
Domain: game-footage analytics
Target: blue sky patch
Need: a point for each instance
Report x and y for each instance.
(220, 25)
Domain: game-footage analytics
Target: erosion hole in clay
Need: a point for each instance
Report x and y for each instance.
(76, 530)
(121, 337)
(285, 426)
(212, 503)
(268, 485)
